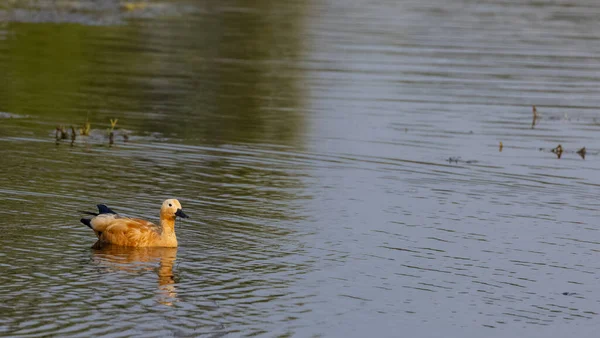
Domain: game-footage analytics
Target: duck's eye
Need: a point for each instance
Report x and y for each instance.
(170, 205)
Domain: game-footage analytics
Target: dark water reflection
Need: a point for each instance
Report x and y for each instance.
(136, 261)
(340, 163)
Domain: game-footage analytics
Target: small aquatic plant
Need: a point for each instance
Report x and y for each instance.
(581, 152)
(113, 123)
(57, 135)
(111, 134)
(132, 6)
(85, 130)
(60, 134)
(558, 151)
(73, 135)
(535, 117)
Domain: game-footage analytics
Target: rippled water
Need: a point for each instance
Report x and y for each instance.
(340, 162)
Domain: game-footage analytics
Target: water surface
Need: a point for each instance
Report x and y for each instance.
(340, 163)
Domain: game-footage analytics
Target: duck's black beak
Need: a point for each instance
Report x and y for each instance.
(181, 214)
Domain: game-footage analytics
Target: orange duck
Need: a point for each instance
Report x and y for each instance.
(111, 228)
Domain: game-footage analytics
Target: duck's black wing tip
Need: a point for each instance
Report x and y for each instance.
(87, 222)
(103, 209)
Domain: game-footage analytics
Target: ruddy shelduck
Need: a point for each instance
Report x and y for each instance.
(111, 228)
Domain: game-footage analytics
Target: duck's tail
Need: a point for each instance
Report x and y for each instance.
(87, 222)
(102, 209)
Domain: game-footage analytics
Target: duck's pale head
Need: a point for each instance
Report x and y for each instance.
(171, 208)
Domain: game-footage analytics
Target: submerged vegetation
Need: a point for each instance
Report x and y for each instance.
(111, 134)
(73, 135)
(558, 150)
(86, 132)
(113, 131)
(85, 129)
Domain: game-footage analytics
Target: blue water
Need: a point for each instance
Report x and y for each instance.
(340, 162)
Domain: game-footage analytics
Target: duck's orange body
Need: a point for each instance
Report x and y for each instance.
(111, 228)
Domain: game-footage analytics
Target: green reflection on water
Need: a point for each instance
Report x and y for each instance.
(227, 76)
(223, 76)
(226, 81)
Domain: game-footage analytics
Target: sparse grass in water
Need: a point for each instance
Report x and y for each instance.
(60, 134)
(113, 123)
(57, 135)
(85, 130)
(73, 135)
(111, 134)
(63, 133)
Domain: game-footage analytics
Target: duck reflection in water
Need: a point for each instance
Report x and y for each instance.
(138, 260)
